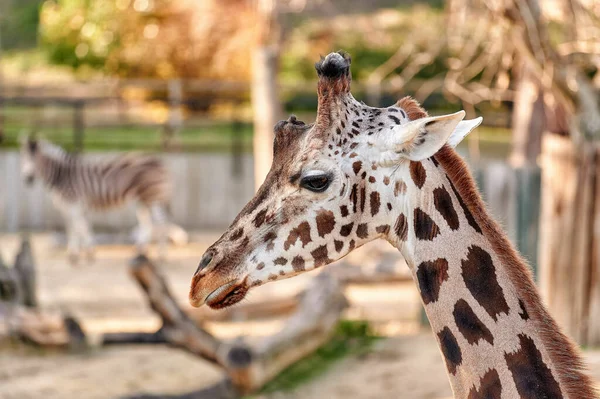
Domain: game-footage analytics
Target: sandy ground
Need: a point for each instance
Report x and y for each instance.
(104, 298)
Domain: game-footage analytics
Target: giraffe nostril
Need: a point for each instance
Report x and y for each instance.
(206, 259)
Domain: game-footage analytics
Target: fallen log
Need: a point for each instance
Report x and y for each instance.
(134, 338)
(177, 328)
(47, 330)
(248, 366)
(220, 390)
(251, 366)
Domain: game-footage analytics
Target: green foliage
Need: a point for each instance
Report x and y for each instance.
(19, 27)
(370, 38)
(349, 338)
(149, 38)
(80, 32)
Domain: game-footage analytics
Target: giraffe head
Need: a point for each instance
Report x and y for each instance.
(333, 186)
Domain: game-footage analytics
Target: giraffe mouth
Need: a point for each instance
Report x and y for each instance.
(227, 295)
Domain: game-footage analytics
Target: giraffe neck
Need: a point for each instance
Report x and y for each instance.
(496, 337)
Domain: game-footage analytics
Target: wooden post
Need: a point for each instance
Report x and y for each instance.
(2, 91)
(25, 270)
(528, 219)
(9, 284)
(569, 236)
(265, 101)
(236, 146)
(175, 120)
(78, 125)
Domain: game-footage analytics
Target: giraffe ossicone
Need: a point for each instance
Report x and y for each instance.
(359, 173)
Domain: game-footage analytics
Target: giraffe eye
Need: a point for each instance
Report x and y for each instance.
(315, 183)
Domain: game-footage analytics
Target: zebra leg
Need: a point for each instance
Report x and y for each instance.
(72, 243)
(159, 217)
(84, 233)
(144, 231)
(73, 217)
(70, 212)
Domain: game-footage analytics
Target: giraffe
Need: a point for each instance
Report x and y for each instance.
(360, 173)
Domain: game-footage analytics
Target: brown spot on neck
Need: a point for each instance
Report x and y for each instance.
(450, 350)
(425, 227)
(401, 227)
(430, 276)
(490, 387)
(443, 203)
(479, 274)
(532, 376)
(417, 173)
(469, 325)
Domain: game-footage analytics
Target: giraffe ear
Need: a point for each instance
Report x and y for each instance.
(462, 130)
(422, 138)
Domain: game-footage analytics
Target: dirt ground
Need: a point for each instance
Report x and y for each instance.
(104, 299)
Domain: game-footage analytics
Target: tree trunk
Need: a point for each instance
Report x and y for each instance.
(570, 236)
(528, 120)
(1, 81)
(265, 101)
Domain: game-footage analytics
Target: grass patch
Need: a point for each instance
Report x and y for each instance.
(349, 338)
(206, 135)
(213, 137)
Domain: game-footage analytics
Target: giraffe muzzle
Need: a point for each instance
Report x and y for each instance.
(207, 290)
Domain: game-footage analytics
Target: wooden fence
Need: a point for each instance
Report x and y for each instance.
(129, 103)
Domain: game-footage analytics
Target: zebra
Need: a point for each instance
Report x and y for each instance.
(78, 185)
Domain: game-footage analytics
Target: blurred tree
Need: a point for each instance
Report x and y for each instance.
(265, 102)
(557, 43)
(151, 38)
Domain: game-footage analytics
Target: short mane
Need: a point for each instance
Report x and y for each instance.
(564, 355)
